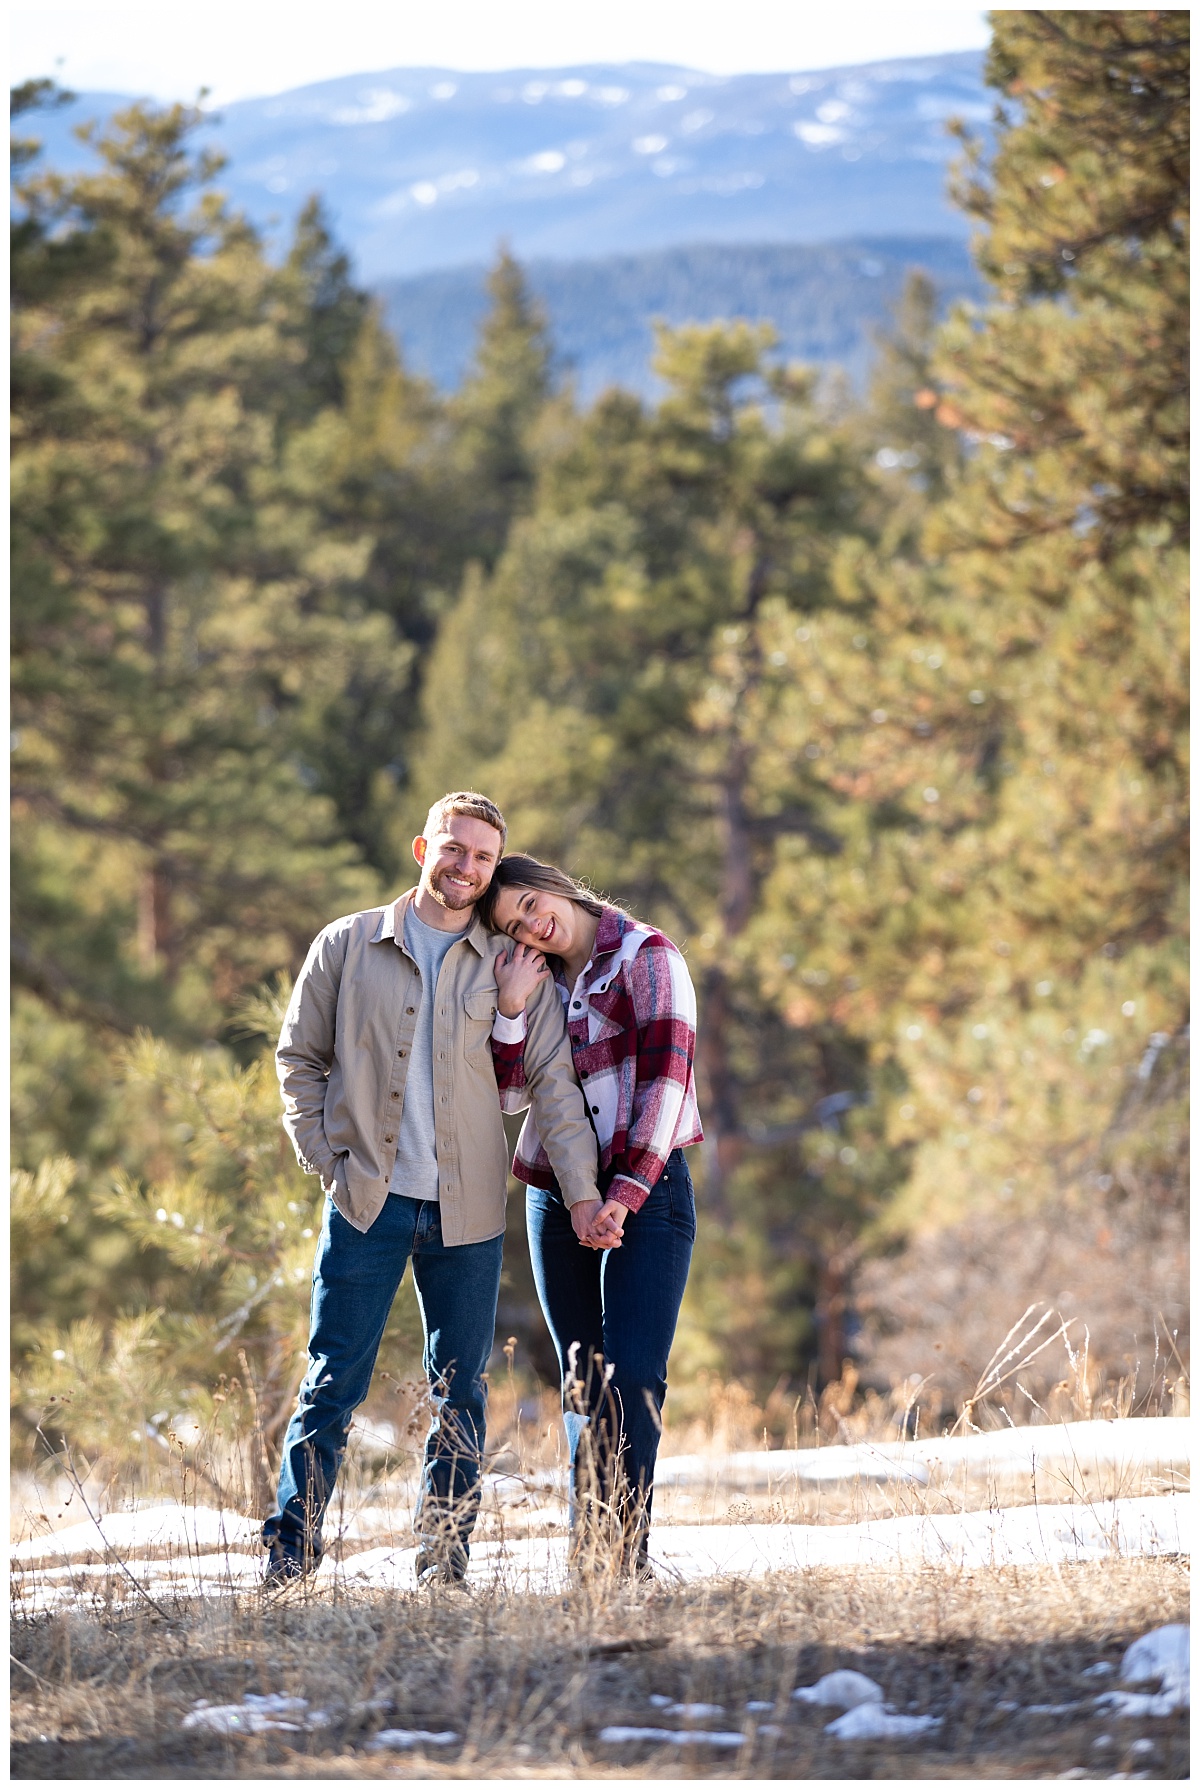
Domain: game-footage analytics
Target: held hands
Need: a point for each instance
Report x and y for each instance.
(517, 978)
(598, 1225)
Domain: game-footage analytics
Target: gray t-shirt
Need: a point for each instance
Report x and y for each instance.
(416, 1172)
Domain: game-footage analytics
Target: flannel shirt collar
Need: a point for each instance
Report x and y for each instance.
(610, 931)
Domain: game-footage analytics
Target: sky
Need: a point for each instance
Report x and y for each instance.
(240, 49)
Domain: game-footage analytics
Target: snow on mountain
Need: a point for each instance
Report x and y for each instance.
(429, 168)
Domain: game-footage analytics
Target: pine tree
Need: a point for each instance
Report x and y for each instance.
(180, 635)
(165, 628)
(1010, 902)
(328, 310)
(919, 456)
(496, 409)
(612, 685)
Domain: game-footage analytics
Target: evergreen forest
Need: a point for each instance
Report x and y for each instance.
(876, 704)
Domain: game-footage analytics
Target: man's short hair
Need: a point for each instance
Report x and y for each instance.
(465, 801)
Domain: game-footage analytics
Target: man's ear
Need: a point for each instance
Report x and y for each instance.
(420, 846)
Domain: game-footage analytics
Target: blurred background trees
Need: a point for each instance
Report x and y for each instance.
(876, 704)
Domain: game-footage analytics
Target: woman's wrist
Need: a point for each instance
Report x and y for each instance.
(509, 1010)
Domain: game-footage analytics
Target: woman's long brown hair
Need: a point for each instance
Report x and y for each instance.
(520, 871)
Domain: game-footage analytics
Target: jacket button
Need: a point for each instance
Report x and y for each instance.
(389, 1139)
(401, 1053)
(408, 1010)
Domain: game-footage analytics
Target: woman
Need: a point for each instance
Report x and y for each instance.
(611, 1304)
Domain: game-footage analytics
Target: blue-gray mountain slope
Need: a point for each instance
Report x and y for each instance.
(428, 168)
(824, 300)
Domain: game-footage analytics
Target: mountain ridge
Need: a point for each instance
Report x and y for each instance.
(824, 300)
(425, 169)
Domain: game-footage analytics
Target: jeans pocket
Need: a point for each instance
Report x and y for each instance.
(683, 1201)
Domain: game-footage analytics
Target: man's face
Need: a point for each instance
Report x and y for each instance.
(457, 863)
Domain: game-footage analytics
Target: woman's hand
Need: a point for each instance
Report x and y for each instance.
(517, 978)
(584, 1217)
(608, 1224)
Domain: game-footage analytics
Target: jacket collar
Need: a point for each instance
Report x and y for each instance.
(391, 925)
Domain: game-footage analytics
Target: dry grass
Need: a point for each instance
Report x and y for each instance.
(1116, 1273)
(528, 1682)
(525, 1494)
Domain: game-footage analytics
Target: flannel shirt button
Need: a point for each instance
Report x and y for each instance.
(595, 1109)
(577, 1003)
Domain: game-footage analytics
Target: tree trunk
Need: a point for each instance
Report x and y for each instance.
(155, 943)
(718, 1089)
(830, 1317)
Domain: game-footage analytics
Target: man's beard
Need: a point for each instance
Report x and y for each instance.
(454, 900)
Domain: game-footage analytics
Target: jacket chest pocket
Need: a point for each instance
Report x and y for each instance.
(479, 1010)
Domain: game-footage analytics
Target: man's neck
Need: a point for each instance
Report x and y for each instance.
(428, 908)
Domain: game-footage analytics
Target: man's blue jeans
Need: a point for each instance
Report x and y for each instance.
(355, 1279)
(615, 1310)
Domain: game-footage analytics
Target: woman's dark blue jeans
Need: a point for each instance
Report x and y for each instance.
(612, 1316)
(355, 1279)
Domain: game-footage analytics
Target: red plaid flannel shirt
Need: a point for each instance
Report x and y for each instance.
(632, 1023)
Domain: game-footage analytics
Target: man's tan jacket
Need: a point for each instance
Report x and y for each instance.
(343, 1061)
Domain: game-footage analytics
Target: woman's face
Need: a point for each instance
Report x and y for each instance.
(547, 922)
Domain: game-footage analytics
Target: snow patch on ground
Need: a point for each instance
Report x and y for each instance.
(400, 1739)
(1161, 1658)
(672, 1736)
(1086, 1447)
(836, 1465)
(178, 1527)
(867, 1716)
(1116, 1528)
(875, 1721)
(256, 1715)
(840, 1690)
(190, 1550)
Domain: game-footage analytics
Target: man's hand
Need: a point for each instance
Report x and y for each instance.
(517, 978)
(583, 1223)
(598, 1224)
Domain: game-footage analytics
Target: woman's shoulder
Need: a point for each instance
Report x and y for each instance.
(626, 938)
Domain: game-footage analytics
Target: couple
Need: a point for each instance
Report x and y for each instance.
(498, 983)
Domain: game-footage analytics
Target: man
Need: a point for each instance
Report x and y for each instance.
(390, 1096)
